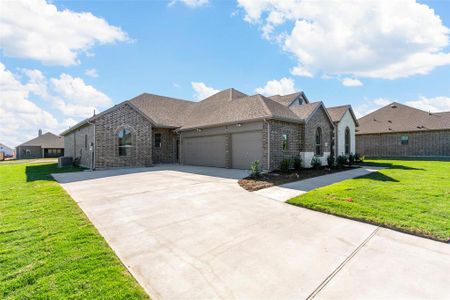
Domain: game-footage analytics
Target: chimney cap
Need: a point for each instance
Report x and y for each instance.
(39, 132)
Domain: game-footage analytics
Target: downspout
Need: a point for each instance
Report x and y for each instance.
(268, 144)
(93, 148)
(179, 146)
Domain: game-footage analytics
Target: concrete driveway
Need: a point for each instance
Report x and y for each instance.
(193, 233)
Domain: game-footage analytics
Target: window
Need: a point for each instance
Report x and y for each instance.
(157, 140)
(404, 140)
(124, 142)
(85, 141)
(347, 141)
(318, 141)
(28, 152)
(285, 141)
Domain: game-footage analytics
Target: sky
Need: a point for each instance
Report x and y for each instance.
(62, 60)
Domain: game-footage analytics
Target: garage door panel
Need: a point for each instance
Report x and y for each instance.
(246, 148)
(205, 151)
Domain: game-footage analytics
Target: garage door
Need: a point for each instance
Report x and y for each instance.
(204, 151)
(246, 148)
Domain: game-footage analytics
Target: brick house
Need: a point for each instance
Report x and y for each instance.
(228, 129)
(398, 130)
(42, 146)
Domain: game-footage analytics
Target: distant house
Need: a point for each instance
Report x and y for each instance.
(228, 129)
(7, 152)
(398, 130)
(345, 127)
(44, 145)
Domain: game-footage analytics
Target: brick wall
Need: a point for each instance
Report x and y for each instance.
(277, 154)
(107, 127)
(75, 146)
(34, 152)
(167, 152)
(425, 143)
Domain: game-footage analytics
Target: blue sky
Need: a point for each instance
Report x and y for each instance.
(114, 50)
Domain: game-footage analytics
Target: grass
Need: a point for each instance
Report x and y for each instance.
(49, 249)
(410, 196)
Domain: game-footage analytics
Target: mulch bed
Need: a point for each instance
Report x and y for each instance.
(276, 178)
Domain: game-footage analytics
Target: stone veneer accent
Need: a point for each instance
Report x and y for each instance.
(107, 127)
(425, 143)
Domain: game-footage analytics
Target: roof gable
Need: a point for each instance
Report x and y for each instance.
(47, 140)
(337, 113)
(397, 117)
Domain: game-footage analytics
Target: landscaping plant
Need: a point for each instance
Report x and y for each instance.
(351, 159)
(297, 163)
(285, 165)
(316, 163)
(255, 169)
(341, 160)
(330, 161)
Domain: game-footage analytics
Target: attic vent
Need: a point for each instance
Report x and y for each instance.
(374, 119)
(390, 128)
(393, 106)
(389, 121)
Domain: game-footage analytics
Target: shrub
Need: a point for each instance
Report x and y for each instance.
(255, 169)
(341, 160)
(285, 165)
(359, 157)
(316, 162)
(330, 161)
(351, 159)
(297, 163)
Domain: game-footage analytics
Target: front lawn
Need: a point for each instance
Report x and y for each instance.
(49, 249)
(411, 196)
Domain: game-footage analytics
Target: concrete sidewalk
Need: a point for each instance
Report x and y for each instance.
(290, 190)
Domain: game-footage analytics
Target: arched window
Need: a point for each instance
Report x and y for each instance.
(347, 141)
(319, 141)
(124, 142)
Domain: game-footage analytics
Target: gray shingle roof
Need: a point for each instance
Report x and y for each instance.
(285, 99)
(47, 140)
(397, 117)
(304, 111)
(231, 106)
(337, 113)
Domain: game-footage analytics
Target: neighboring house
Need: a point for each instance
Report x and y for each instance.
(7, 152)
(228, 129)
(44, 145)
(345, 124)
(398, 130)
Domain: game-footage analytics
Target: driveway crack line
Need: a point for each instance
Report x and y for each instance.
(331, 276)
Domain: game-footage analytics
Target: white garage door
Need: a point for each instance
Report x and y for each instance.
(246, 148)
(204, 151)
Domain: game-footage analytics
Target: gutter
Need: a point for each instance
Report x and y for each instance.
(268, 144)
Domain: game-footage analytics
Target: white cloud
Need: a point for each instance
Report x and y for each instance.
(351, 82)
(21, 103)
(373, 38)
(190, 3)
(20, 117)
(91, 73)
(300, 71)
(202, 91)
(283, 86)
(38, 30)
(435, 104)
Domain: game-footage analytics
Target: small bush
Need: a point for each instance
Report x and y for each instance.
(316, 162)
(330, 161)
(255, 169)
(351, 159)
(341, 160)
(297, 163)
(285, 165)
(359, 157)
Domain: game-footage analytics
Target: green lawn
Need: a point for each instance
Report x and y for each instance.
(411, 196)
(48, 247)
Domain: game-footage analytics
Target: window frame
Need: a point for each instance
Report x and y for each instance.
(285, 141)
(159, 144)
(124, 147)
(347, 143)
(318, 145)
(404, 140)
